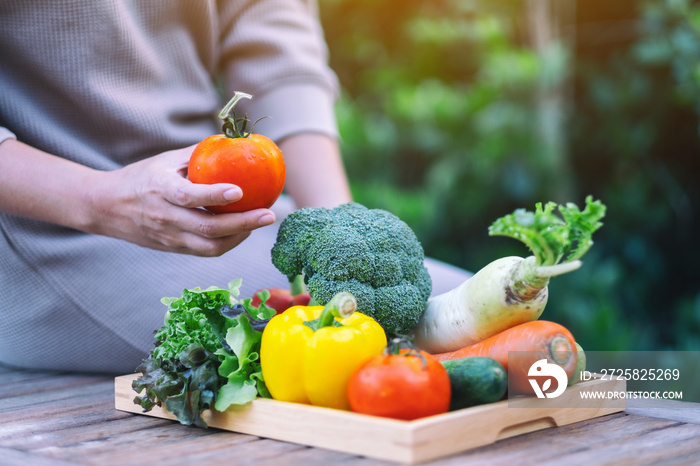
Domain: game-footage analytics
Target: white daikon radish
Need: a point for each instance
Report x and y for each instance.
(510, 290)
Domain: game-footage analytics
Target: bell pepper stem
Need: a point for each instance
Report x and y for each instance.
(342, 305)
(399, 343)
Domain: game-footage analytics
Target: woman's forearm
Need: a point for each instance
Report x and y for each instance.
(41, 186)
(149, 203)
(315, 173)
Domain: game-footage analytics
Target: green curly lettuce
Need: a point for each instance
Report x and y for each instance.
(206, 354)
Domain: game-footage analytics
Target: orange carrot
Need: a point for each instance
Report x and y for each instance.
(527, 343)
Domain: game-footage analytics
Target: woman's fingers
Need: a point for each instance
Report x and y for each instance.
(201, 233)
(208, 247)
(195, 245)
(204, 234)
(188, 194)
(206, 225)
(152, 204)
(184, 193)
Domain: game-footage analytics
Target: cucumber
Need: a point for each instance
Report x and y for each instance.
(475, 381)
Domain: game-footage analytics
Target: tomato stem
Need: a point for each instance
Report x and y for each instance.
(234, 127)
(399, 343)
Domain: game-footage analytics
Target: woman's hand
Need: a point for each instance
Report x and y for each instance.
(151, 203)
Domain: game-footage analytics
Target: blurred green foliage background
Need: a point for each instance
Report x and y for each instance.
(456, 112)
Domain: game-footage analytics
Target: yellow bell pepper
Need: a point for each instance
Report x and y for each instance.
(308, 353)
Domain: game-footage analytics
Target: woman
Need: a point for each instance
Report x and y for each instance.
(101, 106)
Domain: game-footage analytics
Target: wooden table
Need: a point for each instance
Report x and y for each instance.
(61, 419)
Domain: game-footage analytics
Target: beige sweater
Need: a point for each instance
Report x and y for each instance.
(109, 82)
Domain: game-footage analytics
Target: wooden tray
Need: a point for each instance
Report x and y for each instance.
(400, 441)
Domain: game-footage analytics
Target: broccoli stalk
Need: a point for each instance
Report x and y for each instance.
(369, 253)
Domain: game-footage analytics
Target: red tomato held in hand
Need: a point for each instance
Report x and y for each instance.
(409, 385)
(251, 161)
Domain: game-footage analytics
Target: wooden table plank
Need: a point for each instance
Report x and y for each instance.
(683, 411)
(27, 383)
(614, 439)
(11, 457)
(60, 419)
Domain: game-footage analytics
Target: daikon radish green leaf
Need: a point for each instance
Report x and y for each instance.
(553, 238)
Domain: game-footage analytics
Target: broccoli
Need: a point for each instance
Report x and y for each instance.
(370, 253)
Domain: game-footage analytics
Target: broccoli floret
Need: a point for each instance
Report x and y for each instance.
(370, 253)
(294, 237)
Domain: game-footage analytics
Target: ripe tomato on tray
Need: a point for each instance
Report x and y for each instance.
(251, 161)
(402, 383)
